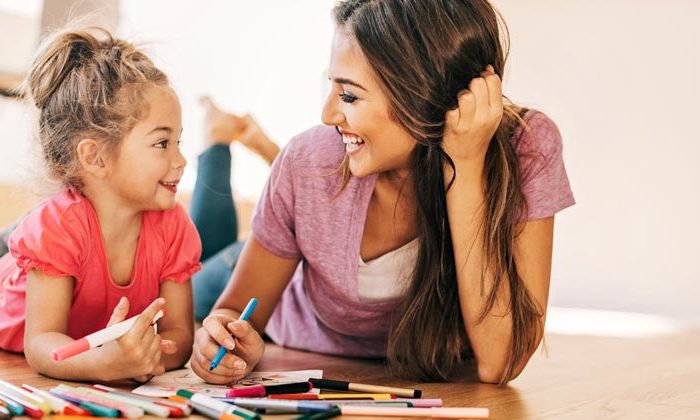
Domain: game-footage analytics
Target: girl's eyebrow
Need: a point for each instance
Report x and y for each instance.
(344, 81)
(168, 129)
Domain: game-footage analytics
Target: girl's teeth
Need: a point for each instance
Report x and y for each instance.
(350, 147)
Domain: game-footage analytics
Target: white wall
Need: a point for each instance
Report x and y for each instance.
(619, 78)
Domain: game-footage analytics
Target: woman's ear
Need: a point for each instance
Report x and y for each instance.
(91, 158)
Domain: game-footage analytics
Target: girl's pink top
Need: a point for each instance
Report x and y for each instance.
(62, 238)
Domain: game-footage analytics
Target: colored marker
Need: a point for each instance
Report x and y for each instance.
(15, 408)
(95, 409)
(219, 407)
(330, 396)
(442, 412)
(280, 406)
(30, 409)
(98, 338)
(265, 390)
(57, 404)
(149, 405)
(84, 394)
(125, 398)
(20, 395)
(334, 412)
(375, 389)
(244, 317)
(5, 413)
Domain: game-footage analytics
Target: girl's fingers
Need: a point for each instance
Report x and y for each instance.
(144, 321)
(202, 366)
(168, 346)
(120, 311)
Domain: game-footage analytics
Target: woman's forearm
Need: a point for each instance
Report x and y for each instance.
(489, 337)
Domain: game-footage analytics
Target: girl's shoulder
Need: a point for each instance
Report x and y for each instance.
(66, 211)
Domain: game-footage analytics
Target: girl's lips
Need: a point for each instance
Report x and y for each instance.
(170, 186)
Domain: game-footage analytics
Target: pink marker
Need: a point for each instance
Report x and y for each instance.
(98, 338)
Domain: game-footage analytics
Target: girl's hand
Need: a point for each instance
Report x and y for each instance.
(215, 332)
(470, 127)
(137, 354)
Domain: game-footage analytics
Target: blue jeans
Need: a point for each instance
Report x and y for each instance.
(214, 215)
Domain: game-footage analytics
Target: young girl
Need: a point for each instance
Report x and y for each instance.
(113, 243)
(432, 243)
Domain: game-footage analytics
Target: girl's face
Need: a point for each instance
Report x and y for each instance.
(357, 106)
(149, 165)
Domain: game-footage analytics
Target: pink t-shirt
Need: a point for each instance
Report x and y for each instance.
(62, 237)
(298, 217)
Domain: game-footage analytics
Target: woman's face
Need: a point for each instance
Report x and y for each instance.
(374, 142)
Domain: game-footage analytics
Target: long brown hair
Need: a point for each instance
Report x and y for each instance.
(424, 52)
(86, 84)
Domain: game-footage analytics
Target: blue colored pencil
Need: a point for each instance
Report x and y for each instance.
(244, 317)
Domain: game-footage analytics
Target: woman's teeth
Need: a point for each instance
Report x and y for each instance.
(352, 143)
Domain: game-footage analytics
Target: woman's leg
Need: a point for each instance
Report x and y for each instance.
(212, 208)
(210, 281)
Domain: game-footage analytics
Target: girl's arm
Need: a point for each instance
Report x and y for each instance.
(258, 273)
(176, 328)
(469, 129)
(48, 303)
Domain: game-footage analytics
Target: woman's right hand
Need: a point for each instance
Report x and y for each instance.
(216, 331)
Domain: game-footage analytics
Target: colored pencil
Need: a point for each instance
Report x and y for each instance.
(336, 385)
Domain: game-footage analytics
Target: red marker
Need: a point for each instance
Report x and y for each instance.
(264, 390)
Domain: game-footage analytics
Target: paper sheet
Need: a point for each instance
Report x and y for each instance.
(167, 384)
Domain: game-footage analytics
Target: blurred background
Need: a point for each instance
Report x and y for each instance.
(618, 77)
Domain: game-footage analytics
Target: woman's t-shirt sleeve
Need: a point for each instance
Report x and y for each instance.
(274, 219)
(544, 179)
(183, 247)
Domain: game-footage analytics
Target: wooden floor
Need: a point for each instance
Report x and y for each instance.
(581, 377)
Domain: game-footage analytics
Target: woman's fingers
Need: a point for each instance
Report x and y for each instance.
(215, 328)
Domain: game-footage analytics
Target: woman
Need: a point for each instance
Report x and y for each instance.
(417, 225)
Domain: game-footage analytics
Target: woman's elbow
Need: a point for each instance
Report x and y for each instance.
(497, 374)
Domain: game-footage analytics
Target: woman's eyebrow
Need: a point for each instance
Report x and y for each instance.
(344, 81)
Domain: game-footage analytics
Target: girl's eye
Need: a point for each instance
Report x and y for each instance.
(347, 98)
(163, 144)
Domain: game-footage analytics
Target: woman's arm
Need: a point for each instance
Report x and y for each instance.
(469, 129)
(490, 339)
(260, 274)
(48, 303)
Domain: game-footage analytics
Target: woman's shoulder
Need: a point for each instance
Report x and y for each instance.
(319, 146)
(538, 134)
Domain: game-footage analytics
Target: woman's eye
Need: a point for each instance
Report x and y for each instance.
(347, 98)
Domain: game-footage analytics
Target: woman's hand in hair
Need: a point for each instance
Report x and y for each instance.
(470, 127)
